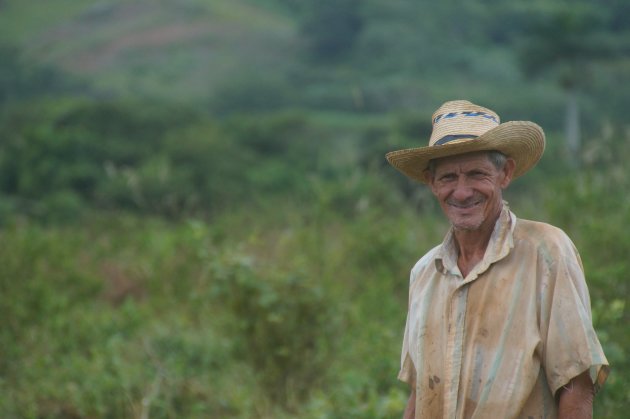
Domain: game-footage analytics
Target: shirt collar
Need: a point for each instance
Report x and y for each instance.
(499, 246)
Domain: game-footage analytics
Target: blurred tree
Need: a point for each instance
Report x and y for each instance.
(20, 80)
(331, 27)
(566, 40)
(67, 150)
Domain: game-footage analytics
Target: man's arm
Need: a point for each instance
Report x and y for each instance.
(576, 398)
(410, 411)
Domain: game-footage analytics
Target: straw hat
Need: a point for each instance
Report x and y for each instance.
(462, 127)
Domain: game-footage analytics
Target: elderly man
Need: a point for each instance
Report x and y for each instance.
(499, 322)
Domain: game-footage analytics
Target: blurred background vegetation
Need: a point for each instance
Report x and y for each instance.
(196, 217)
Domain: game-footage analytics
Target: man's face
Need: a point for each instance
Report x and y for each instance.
(469, 189)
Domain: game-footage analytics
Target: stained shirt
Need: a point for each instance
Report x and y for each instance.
(500, 342)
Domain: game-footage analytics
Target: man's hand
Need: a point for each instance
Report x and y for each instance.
(576, 398)
(410, 411)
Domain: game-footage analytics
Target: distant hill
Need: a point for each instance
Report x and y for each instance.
(176, 50)
(359, 56)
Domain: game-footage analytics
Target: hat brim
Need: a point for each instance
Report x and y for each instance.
(522, 141)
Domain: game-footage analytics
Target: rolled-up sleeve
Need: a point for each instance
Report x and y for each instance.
(407, 371)
(571, 344)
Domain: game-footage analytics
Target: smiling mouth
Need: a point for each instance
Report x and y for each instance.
(465, 205)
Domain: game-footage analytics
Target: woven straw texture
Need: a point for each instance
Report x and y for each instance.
(475, 129)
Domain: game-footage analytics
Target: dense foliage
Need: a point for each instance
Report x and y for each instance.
(168, 250)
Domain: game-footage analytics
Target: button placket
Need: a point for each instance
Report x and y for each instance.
(454, 353)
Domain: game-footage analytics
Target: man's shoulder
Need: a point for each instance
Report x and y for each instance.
(426, 261)
(538, 233)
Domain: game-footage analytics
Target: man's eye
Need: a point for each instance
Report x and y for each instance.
(447, 178)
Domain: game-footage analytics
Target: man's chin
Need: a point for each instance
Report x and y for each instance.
(466, 225)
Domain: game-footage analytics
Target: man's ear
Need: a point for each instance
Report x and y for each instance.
(428, 178)
(508, 172)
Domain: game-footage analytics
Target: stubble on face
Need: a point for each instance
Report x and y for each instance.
(464, 215)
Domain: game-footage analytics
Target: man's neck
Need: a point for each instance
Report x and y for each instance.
(472, 245)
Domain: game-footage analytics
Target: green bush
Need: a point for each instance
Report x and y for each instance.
(283, 324)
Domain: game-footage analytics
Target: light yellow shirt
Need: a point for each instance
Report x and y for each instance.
(499, 343)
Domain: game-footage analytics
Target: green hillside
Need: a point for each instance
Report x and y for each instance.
(169, 50)
(268, 54)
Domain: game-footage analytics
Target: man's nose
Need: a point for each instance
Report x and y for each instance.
(462, 190)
